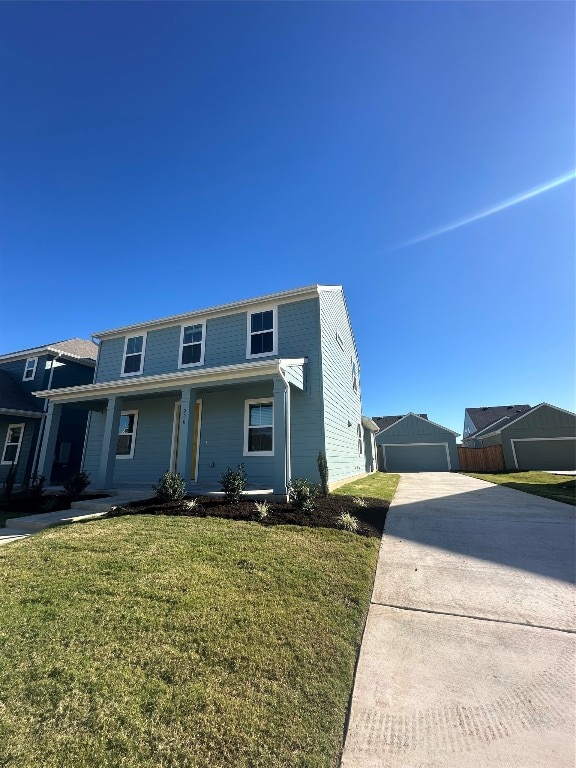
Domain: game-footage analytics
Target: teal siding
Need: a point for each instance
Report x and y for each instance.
(545, 422)
(341, 407)
(412, 430)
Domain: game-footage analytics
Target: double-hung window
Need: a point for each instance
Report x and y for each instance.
(262, 333)
(259, 428)
(134, 348)
(30, 369)
(13, 444)
(354, 375)
(127, 435)
(360, 439)
(192, 345)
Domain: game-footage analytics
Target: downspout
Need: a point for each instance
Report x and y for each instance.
(43, 420)
(287, 425)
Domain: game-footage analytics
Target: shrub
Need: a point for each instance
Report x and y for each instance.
(78, 483)
(8, 485)
(233, 483)
(192, 504)
(262, 508)
(323, 470)
(34, 486)
(302, 494)
(347, 521)
(171, 486)
(359, 501)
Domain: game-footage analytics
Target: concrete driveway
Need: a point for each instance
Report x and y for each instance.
(468, 656)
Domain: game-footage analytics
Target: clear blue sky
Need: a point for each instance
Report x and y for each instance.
(161, 157)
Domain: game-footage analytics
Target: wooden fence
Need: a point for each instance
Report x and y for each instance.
(490, 459)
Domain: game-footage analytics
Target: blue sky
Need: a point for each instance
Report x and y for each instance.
(161, 157)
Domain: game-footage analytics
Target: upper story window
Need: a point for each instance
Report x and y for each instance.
(13, 443)
(127, 435)
(262, 333)
(134, 349)
(30, 369)
(192, 345)
(259, 428)
(360, 440)
(354, 375)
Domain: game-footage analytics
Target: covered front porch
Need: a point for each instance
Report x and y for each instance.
(196, 423)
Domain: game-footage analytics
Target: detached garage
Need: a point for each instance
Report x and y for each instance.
(412, 443)
(543, 438)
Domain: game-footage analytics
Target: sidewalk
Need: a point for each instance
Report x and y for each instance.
(468, 655)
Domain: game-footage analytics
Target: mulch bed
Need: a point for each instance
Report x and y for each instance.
(371, 518)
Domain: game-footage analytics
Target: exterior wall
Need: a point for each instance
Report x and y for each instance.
(468, 425)
(16, 369)
(342, 407)
(27, 448)
(370, 460)
(543, 422)
(414, 430)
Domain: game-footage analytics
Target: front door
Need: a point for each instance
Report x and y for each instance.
(195, 426)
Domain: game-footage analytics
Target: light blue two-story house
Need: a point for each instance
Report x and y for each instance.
(267, 382)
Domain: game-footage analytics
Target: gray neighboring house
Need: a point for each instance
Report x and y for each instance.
(58, 364)
(268, 382)
(478, 420)
(542, 437)
(413, 443)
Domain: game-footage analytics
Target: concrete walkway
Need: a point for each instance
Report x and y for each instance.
(468, 656)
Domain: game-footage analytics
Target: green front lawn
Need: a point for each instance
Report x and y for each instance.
(379, 485)
(556, 487)
(171, 642)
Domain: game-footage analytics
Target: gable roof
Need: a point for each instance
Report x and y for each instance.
(384, 422)
(503, 425)
(82, 350)
(422, 417)
(13, 397)
(484, 417)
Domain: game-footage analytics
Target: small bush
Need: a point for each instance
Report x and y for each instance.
(359, 501)
(323, 471)
(348, 522)
(302, 495)
(192, 504)
(77, 484)
(171, 486)
(34, 486)
(233, 483)
(262, 508)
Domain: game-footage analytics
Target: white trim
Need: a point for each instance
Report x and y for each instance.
(181, 365)
(369, 424)
(533, 440)
(283, 297)
(6, 444)
(134, 430)
(33, 369)
(257, 311)
(142, 353)
(247, 404)
(527, 413)
(426, 421)
(168, 381)
(408, 445)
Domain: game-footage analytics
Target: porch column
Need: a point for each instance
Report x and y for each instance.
(186, 432)
(109, 443)
(49, 438)
(281, 413)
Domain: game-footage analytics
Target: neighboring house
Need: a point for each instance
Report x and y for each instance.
(413, 443)
(268, 382)
(477, 420)
(543, 437)
(60, 364)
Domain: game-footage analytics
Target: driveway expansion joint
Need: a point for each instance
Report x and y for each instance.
(476, 618)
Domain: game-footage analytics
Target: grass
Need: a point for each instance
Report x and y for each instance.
(171, 642)
(556, 487)
(379, 485)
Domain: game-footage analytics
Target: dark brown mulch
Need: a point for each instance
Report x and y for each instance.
(371, 518)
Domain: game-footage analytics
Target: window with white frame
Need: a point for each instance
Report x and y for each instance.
(262, 333)
(354, 375)
(259, 428)
(12, 444)
(30, 369)
(192, 345)
(360, 439)
(133, 361)
(127, 435)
